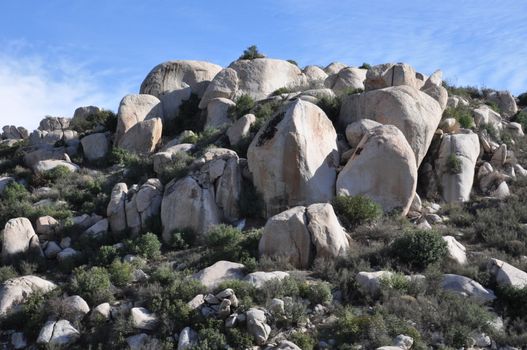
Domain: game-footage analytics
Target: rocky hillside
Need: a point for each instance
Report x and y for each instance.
(265, 206)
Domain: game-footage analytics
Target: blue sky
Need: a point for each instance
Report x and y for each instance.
(56, 55)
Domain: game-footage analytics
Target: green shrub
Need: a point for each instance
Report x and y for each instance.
(522, 98)
(102, 118)
(242, 289)
(189, 117)
(365, 66)
(461, 113)
(522, 119)
(493, 105)
(304, 341)
(222, 236)
(293, 62)
(280, 91)
(316, 293)
(356, 210)
(251, 53)
(7, 272)
(420, 248)
(106, 255)
(239, 339)
(120, 273)
(465, 91)
(330, 106)
(178, 168)
(453, 164)
(229, 243)
(397, 281)
(147, 246)
(138, 168)
(91, 284)
(491, 130)
(514, 301)
(278, 288)
(164, 274)
(244, 104)
(182, 239)
(251, 202)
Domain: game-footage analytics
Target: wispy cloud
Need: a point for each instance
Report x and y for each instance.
(35, 85)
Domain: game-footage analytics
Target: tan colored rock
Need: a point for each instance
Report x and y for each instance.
(346, 79)
(456, 186)
(505, 102)
(389, 74)
(218, 113)
(134, 109)
(220, 272)
(19, 238)
(356, 130)
(286, 235)
(334, 67)
(314, 74)
(116, 208)
(507, 275)
(383, 150)
(46, 225)
(16, 290)
(50, 164)
(224, 84)
(456, 250)
(328, 237)
(434, 88)
(288, 166)
(143, 137)
(415, 113)
(95, 146)
(175, 75)
(486, 115)
(186, 204)
(257, 78)
(240, 129)
(166, 158)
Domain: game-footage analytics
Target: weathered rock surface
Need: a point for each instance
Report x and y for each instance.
(456, 250)
(50, 164)
(467, 287)
(143, 137)
(115, 211)
(134, 109)
(16, 290)
(58, 334)
(389, 74)
(19, 238)
(290, 169)
(507, 275)
(95, 146)
(455, 165)
(219, 272)
(414, 112)
(240, 128)
(347, 79)
(383, 150)
(300, 234)
(259, 278)
(257, 326)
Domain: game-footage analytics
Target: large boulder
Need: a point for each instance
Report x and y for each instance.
(455, 165)
(187, 204)
(383, 150)
(467, 287)
(58, 334)
(54, 123)
(414, 112)
(259, 278)
(176, 75)
(434, 88)
(293, 158)
(219, 272)
(50, 164)
(11, 132)
(143, 137)
(389, 74)
(95, 146)
(169, 155)
(257, 78)
(486, 115)
(346, 79)
(218, 113)
(116, 207)
(134, 109)
(143, 203)
(81, 114)
(285, 235)
(240, 129)
(505, 101)
(16, 290)
(356, 130)
(314, 74)
(302, 234)
(507, 275)
(257, 326)
(19, 238)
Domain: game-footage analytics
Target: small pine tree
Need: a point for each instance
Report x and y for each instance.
(251, 53)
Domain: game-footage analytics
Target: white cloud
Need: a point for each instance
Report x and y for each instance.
(33, 86)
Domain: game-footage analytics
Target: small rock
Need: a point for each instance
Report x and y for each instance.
(143, 319)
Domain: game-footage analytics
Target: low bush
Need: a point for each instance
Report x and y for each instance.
(92, 284)
(330, 106)
(147, 245)
(229, 243)
(316, 293)
(244, 105)
(461, 113)
(251, 53)
(356, 210)
(189, 117)
(513, 301)
(365, 66)
(120, 273)
(304, 341)
(280, 91)
(522, 99)
(453, 164)
(106, 255)
(419, 248)
(7, 272)
(182, 239)
(102, 118)
(138, 168)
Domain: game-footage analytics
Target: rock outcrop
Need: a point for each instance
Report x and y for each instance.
(287, 166)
